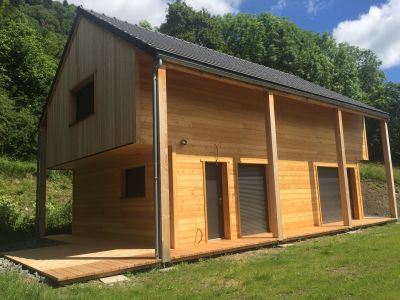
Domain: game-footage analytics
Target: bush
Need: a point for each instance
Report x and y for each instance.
(18, 200)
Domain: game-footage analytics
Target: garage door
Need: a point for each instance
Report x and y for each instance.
(329, 193)
(252, 199)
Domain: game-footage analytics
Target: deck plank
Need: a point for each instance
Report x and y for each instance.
(81, 259)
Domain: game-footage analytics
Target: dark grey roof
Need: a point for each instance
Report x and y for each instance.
(161, 44)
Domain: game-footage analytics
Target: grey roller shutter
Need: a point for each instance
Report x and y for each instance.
(329, 191)
(252, 199)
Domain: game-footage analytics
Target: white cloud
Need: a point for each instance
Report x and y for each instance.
(153, 11)
(279, 6)
(314, 6)
(378, 30)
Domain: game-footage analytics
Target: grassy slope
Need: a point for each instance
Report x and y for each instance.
(17, 200)
(376, 172)
(358, 266)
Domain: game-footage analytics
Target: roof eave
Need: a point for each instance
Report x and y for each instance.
(268, 85)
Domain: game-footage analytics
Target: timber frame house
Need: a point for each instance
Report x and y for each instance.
(184, 148)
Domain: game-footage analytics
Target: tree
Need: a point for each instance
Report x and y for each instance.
(146, 24)
(17, 3)
(244, 37)
(65, 3)
(194, 26)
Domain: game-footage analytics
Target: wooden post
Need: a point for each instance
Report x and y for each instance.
(41, 184)
(164, 173)
(341, 159)
(389, 169)
(273, 175)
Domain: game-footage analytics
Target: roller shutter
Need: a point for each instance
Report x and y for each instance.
(252, 199)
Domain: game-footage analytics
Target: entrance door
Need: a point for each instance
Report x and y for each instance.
(215, 216)
(329, 194)
(252, 199)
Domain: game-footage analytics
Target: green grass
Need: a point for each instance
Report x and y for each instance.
(350, 266)
(376, 171)
(17, 200)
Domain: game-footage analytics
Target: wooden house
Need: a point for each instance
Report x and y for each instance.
(177, 146)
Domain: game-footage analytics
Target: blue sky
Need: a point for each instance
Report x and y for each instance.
(326, 17)
(371, 24)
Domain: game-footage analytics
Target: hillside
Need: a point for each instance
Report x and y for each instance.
(17, 200)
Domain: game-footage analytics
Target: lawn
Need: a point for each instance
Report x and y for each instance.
(363, 265)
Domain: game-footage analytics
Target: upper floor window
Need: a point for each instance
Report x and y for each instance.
(82, 101)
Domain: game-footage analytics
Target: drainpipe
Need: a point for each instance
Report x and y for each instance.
(156, 156)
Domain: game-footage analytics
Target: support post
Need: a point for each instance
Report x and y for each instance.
(342, 169)
(164, 219)
(273, 175)
(41, 173)
(389, 169)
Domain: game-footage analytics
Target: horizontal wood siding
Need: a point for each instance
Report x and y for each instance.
(93, 51)
(208, 113)
(98, 207)
(306, 134)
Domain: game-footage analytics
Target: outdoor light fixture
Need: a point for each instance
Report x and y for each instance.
(184, 142)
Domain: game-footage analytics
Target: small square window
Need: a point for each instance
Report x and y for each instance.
(83, 102)
(135, 183)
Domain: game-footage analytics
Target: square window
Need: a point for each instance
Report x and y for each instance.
(135, 182)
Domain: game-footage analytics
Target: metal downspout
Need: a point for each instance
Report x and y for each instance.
(156, 157)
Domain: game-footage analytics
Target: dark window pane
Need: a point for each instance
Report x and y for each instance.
(85, 101)
(135, 182)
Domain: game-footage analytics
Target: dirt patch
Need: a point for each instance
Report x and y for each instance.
(375, 198)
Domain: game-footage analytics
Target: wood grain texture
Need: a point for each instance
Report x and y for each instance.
(111, 61)
(226, 122)
(342, 162)
(81, 259)
(164, 167)
(99, 207)
(389, 169)
(274, 203)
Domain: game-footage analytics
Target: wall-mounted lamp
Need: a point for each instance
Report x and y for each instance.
(184, 142)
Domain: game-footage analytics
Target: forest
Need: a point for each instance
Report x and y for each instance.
(33, 34)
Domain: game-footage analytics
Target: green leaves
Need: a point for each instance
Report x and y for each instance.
(30, 47)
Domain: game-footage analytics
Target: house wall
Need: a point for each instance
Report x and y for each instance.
(99, 208)
(93, 51)
(208, 113)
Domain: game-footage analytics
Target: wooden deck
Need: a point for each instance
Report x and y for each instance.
(81, 259)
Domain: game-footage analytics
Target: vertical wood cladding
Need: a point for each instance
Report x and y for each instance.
(111, 61)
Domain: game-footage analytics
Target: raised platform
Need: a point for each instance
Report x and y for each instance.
(79, 259)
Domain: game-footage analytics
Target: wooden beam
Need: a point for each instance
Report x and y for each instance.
(365, 154)
(165, 243)
(341, 158)
(41, 184)
(274, 206)
(389, 169)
